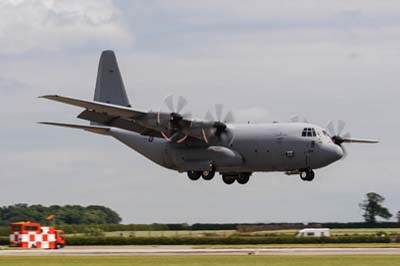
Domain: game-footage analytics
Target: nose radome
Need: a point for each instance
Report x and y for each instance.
(337, 152)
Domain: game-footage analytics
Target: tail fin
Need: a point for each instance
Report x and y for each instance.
(109, 85)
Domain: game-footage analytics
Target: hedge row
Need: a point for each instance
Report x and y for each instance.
(88, 241)
(4, 241)
(220, 241)
(70, 229)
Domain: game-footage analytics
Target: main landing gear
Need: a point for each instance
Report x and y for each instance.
(241, 178)
(307, 175)
(195, 175)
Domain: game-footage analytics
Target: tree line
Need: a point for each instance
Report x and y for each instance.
(71, 215)
(67, 214)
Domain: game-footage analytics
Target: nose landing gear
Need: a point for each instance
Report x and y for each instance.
(307, 175)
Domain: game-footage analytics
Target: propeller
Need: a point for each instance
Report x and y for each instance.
(298, 119)
(336, 129)
(176, 109)
(175, 121)
(217, 124)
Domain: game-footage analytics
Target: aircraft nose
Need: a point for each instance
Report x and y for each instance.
(335, 152)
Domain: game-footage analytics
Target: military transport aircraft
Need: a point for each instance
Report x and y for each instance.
(203, 147)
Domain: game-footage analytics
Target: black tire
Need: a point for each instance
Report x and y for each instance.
(58, 246)
(310, 175)
(194, 175)
(303, 175)
(208, 175)
(243, 179)
(229, 180)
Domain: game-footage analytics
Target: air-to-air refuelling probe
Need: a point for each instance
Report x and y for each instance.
(203, 147)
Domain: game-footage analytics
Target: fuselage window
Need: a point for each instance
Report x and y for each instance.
(308, 132)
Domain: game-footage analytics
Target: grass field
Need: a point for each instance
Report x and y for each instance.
(238, 260)
(355, 245)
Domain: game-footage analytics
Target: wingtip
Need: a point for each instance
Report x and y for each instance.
(43, 123)
(48, 96)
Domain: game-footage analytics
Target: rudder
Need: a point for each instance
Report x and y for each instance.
(109, 85)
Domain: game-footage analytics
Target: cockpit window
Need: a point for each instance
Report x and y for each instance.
(308, 132)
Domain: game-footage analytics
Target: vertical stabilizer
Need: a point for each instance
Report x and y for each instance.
(109, 85)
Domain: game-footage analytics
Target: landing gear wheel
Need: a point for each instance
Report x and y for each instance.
(229, 180)
(307, 175)
(208, 175)
(243, 178)
(194, 175)
(310, 175)
(303, 175)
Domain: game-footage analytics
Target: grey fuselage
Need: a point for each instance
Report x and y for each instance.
(243, 148)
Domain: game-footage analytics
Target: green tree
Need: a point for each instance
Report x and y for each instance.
(68, 214)
(373, 208)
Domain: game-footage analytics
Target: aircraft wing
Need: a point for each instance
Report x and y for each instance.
(94, 129)
(111, 109)
(170, 126)
(352, 140)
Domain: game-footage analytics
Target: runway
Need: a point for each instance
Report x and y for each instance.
(187, 250)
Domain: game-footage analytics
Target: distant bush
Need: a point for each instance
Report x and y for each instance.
(396, 238)
(4, 230)
(360, 225)
(4, 241)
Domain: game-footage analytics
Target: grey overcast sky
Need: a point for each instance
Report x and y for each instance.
(265, 60)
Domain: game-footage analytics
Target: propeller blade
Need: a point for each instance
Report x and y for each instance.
(165, 136)
(229, 118)
(187, 115)
(218, 111)
(346, 135)
(182, 102)
(331, 128)
(169, 102)
(340, 126)
(295, 119)
(209, 117)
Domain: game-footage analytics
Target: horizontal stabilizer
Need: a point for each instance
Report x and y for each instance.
(111, 109)
(93, 129)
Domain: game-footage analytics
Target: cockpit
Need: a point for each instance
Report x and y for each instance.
(309, 132)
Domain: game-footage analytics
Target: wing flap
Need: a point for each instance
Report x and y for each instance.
(114, 121)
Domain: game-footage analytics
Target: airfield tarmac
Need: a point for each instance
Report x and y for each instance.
(188, 250)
